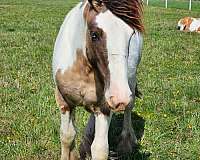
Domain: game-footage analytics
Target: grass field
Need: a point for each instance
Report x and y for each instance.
(169, 78)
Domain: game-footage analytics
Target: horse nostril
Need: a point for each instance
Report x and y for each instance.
(178, 27)
(120, 105)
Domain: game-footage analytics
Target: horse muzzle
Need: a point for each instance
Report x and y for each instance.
(118, 105)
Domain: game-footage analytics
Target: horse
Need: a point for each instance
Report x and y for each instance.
(95, 60)
(189, 24)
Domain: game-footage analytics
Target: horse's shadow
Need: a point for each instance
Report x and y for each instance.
(138, 124)
(115, 130)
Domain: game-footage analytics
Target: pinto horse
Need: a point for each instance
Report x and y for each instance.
(96, 54)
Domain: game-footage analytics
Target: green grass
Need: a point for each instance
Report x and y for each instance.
(179, 4)
(168, 76)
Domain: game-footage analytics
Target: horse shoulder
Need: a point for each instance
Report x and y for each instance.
(77, 83)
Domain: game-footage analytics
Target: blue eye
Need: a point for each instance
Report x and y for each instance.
(94, 36)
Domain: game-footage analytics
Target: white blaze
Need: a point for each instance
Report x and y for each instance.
(118, 34)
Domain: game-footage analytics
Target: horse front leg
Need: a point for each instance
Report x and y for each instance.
(128, 140)
(100, 148)
(67, 136)
(67, 129)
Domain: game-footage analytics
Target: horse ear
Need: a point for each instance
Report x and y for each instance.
(97, 5)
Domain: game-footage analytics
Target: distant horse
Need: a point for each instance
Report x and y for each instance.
(189, 24)
(95, 59)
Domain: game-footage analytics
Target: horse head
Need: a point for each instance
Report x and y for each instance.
(107, 48)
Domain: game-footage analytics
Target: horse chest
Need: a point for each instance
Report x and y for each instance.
(77, 83)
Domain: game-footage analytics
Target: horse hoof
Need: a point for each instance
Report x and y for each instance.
(127, 143)
(73, 155)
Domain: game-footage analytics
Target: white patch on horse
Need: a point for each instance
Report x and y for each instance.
(70, 37)
(100, 148)
(195, 24)
(117, 46)
(67, 134)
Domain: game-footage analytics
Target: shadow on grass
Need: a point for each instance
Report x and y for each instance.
(138, 124)
(115, 130)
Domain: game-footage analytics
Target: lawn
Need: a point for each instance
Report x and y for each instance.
(169, 78)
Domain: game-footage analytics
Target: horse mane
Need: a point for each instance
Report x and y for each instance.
(130, 11)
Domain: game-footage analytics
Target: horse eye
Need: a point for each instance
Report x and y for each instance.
(99, 2)
(94, 36)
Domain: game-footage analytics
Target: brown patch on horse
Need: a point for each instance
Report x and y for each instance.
(198, 30)
(96, 51)
(61, 101)
(77, 84)
(98, 57)
(186, 21)
(97, 5)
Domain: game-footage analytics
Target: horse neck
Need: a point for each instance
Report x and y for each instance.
(77, 27)
(71, 37)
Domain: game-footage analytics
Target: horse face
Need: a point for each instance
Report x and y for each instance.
(180, 25)
(107, 50)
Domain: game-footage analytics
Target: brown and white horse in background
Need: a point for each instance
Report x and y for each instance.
(189, 24)
(95, 59)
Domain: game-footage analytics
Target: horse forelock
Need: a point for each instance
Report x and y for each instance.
(130, 11)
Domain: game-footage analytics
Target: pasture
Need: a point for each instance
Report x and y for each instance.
(168, 76)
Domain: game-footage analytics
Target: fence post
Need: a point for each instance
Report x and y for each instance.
(147, 2)
(190, 5)
(165, 3)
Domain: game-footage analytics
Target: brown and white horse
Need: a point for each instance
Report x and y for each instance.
(189, 24)
(95, 59)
